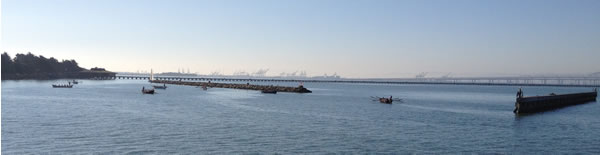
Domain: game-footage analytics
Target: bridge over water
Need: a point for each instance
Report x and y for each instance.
(492, 81)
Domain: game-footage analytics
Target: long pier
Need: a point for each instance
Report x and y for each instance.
(299, 89)
(512, 81)
(533, 104)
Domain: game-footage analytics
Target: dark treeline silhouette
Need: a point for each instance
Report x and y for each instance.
(29, 66)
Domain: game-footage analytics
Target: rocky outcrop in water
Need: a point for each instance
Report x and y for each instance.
(299, 89)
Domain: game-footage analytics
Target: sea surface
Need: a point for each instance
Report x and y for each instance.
(114, 117)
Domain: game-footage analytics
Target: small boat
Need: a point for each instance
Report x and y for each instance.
(386, 100)
(147, 91)
(62, 86)
(164, 86)
(75, 82)
(203, 86)
(269, 91)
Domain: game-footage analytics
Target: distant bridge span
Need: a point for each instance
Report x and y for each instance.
(495, 81)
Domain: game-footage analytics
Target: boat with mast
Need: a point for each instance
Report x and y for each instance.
(151, 78)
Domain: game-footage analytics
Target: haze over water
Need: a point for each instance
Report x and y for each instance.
(355, 39)
(114, 117)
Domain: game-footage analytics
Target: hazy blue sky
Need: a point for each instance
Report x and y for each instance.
(355, 38)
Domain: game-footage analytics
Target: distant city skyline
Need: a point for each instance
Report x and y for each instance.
(355, 39)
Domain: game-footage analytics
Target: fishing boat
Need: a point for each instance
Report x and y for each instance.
(147, 91)
(62, 86)
(269, 91)
(164, 86)
(386, 100)
(203, 86)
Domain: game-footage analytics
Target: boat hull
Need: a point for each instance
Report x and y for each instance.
(62, 86)
(159, 87)
(269, 91)
(385, 100)
(148, 91)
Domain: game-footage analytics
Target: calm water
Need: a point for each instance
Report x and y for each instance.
(113, 117)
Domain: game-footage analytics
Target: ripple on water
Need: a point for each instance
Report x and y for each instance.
(115, 118)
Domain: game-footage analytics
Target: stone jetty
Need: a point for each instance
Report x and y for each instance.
(247, 86)
(533, 104)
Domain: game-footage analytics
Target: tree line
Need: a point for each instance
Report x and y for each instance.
(32, 64)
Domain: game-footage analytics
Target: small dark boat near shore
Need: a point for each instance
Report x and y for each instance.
(62, 86)
(269, 91)
(164, 86)
(147, 91)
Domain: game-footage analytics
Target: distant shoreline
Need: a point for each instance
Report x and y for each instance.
(29, 66)
(86, 74)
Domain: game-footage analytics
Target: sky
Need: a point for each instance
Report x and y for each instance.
(353, 38)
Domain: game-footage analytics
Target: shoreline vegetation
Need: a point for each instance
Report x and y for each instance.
(30, 66)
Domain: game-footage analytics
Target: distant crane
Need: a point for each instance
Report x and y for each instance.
(421, 75)
(446, 76)
(216, 73)
(240, 73)
(303, 74)
(261, 72)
